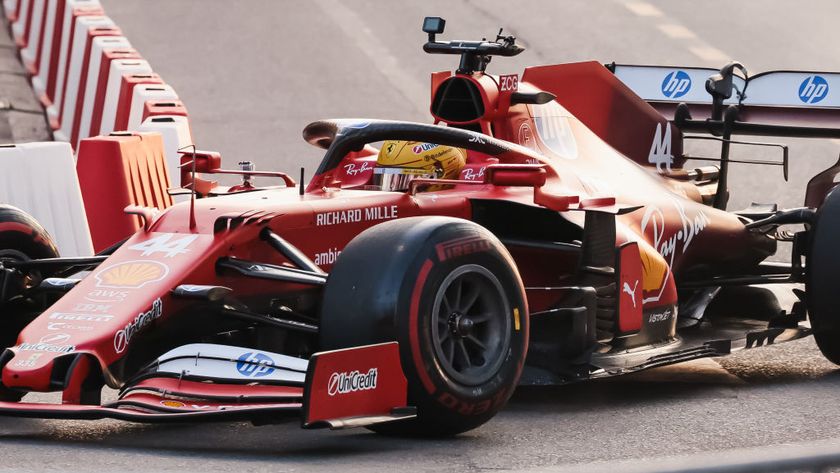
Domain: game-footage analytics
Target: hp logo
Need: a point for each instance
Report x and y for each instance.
(676, 84)
(813, 89)
(255, 365)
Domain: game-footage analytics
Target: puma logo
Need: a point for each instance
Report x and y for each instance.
(631, 291)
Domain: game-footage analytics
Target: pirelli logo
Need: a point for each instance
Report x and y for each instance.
(461, 247)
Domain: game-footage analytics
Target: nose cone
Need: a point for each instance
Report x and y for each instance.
(106, 313)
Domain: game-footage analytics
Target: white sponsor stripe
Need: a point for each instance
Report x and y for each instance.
(643, 9)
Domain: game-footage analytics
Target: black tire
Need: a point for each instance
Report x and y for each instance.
(823, 277)
(393, 282)
(21, 233)
(21, 238)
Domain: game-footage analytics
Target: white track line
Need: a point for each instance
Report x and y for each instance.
(643, 9)
(710, 54)
(676, 31)
(415, 91)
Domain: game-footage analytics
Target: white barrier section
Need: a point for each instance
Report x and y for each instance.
(142, 94)
(119, 68)
(19, 28)
(67, 85)
(10, 6)
(33, 41)
(175, 130)
(100, 44)
(10, 155)
(40, 179)
(74, 71)
(67, 24)
(39, 82)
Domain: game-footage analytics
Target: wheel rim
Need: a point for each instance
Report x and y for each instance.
(470, 327)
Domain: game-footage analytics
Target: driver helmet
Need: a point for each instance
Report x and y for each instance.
(400, 162)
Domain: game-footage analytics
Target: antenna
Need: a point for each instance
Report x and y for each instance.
(192, 187)
(301, 180)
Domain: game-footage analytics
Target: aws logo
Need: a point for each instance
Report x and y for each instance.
(813, 89)
(676, 84)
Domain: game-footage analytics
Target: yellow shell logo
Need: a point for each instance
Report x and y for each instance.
(131, 274)
(176, 404)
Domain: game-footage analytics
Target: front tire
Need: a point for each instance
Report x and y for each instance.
(448, 291)
(21, 239)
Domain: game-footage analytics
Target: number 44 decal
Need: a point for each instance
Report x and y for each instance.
(164, 243)
(660, 149)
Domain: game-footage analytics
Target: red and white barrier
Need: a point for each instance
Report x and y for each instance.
(32, 60)
(116, 171)
(123, 109)
(154, 108)
(147, 93)
(121, 82)
(87, 29)
(175, 130)
(40, 179)
(72, 49)
(52, 31)
(34, 34)
(49, 82)
(90, 81)
(11, 9)
(20, 28)
(114, 65)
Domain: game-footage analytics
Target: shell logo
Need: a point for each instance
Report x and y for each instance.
(131, 274)
(175, 404)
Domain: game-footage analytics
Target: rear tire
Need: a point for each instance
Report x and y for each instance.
(448, 291)
(21, 239)
(823, 277)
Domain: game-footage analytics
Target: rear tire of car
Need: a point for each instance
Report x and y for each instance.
(823, 277)
(21, 239)
(448, 291)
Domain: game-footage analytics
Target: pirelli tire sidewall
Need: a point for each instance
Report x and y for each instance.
(407, 261)
(448, 394)
(823, 277)
(20, 233)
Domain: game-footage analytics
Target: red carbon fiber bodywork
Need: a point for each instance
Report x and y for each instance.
(342, 386)
(579, 170)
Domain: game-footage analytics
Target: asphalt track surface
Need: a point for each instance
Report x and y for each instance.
(254, 73)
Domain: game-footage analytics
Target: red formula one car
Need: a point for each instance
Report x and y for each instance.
(570, 243)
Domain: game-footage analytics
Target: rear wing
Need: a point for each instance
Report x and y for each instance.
(729, 101)
(775, 103)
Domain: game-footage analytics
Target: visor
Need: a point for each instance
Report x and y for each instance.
(397, 179)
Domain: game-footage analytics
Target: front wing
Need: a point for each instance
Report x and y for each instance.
(342, 388)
